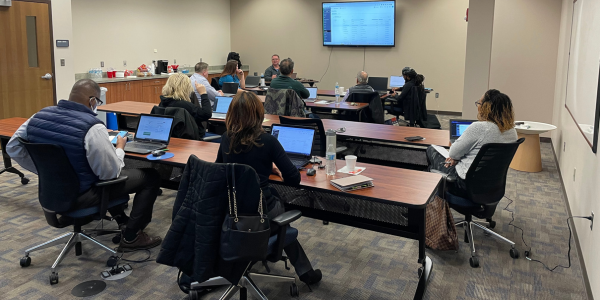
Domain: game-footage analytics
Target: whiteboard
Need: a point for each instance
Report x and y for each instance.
(584, 68)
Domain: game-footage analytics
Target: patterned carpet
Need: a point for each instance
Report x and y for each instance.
(357, 264)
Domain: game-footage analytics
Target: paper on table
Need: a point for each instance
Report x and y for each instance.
(441, 150)
(357, 170)
(322, 102)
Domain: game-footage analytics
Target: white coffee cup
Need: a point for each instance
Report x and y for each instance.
(341, 89)
(350, 162)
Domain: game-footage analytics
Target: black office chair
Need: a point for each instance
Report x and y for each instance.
(284, 102)
(410, 109)
(58, 189)
(484, 187)
(374, 112)
(184, 125)
(214, 82)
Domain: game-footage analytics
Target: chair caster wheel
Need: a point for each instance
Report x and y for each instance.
(514, 253)
(294, 292)
(160, 192)
(112, 261)
(474, 262)
(24, 180)
(194, 295)
(25, 261)
(116, 239)
(492, 224)
(53, 278)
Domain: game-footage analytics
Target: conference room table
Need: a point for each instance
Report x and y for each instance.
(395, 205)
(331, 93)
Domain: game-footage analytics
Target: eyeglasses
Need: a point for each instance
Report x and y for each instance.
(98, 100)
(477, 103)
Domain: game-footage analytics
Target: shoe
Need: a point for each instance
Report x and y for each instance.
(141, 241)
(311, 277)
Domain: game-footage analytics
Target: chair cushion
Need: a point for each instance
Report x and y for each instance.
(459, 201)
(84, 212)
(291, 234)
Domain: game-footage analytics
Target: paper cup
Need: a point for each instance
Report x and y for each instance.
(350, 162)
(341, 89)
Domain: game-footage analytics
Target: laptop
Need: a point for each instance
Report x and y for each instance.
(221, 107)
(230, 89)
(153, 132)
(457, 127)
(252, 81)
(396, 81)
(313, 94)
(297, 141)
(379, 84)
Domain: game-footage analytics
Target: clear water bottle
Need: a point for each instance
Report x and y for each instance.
(337, 93)
(330, 166)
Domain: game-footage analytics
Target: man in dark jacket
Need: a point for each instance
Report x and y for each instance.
(73, 125)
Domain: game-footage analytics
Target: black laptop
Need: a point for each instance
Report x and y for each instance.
(252, 81)
(230, 89)
(297, 141)
(457, 127)
(379, 84)
(153, 132)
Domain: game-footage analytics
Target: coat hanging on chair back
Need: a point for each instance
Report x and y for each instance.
(284, 102)
(234, 56)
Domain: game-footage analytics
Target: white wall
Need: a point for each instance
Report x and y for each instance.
(62, 30)
(584, 191)
(113, 31)
(430, 37)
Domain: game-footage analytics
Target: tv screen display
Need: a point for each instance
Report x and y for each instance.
(359, 24)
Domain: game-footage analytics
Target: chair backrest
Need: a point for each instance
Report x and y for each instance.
(58, 184)
(184, 125)
(284, 102)
(374, 112)
(214, 82)
(319, 147)
(486, 178)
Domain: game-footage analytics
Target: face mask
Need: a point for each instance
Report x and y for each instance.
(94, 108)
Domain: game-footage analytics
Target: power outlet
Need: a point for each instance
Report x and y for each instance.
(592, 225)
(124, 63)
(574, 173)
(564, 146)
(62, 62)
(175, 61)
(437, 95)
(102, 64)
(155, 50)
(200, 59)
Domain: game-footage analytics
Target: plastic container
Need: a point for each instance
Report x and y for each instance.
(330, 166)
(337, 93)
(119, 74)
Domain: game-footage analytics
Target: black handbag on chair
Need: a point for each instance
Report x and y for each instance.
(244, 238)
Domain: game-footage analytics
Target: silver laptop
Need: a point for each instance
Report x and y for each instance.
(313, 94)
(297, 141)
(230, 89)
(457, 127)
(221, 107)
(153, 132)
(252, 81)
(396, 81)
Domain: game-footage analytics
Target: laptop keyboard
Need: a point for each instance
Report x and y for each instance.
(142, 146)
(218, 116)
(299, 162)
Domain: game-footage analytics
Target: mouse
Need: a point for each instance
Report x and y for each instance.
(157, 153)
(311, 172)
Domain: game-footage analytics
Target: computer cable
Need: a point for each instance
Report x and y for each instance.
(328, 62)
(364, 57)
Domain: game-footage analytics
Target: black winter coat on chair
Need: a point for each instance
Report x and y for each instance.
(193, 240)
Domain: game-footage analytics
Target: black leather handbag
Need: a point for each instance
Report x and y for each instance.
(244, 238)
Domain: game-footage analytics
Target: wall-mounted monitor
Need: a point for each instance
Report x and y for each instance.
(359, 24)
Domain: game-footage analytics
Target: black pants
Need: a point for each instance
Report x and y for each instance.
(145, 183)
(294, 251)
(437, 162)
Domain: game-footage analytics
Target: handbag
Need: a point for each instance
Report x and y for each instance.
(244, 238)
(440, 231)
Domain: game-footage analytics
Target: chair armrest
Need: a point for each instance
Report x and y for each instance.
(210, 138)
(103, 183)
(287, 217)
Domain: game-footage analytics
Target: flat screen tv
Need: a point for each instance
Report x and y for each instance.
(359, 24)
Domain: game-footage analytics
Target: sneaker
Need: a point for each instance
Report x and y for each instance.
(311, 277)
(141, 241)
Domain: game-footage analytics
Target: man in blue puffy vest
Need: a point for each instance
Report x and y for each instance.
(73, 125)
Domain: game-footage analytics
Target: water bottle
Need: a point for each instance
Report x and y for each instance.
(330, 166)
(262, 79)
(337, 93)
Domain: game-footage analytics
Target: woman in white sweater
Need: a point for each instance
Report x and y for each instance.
(496, 125)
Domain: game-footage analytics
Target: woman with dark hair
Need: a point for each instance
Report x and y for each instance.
(411, 78)
(496, 125)
(246, 142)
(232, 73)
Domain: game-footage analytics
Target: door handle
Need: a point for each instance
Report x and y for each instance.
(48, 76)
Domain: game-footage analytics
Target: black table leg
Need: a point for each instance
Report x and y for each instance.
(426, 265)
(8, 163)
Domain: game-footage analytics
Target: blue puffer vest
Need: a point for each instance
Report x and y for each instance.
(66, 125)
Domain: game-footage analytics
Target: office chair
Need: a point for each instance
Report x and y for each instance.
(484, 187)
(214, 82)
(58, 189)
(284, 102)
(184, 126)
(411, 108)
(285, 236)
(372, 113)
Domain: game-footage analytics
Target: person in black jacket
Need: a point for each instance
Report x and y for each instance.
(178, 92)
(246, 142)
(410, 78)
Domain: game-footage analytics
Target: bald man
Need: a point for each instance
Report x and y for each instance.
(362, 78)
(73, 125)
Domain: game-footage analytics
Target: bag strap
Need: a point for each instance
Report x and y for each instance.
(231, 189)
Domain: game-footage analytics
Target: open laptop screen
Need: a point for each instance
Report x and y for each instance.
(396, 81)
(378, 83)
(458, 127)
(295, 140)
(154, 129)
(222, 105)
(313, 93)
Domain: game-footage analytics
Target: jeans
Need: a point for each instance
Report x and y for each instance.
(458, 190)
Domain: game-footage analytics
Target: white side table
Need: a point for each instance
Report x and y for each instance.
(529, 157)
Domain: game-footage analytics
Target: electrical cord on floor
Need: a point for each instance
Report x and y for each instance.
(528, 252)
(328, 62)
(147, 259)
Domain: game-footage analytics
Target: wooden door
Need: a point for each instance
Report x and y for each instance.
(26, 54)
(134, 91)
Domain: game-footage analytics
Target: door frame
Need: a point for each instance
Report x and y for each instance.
(51, 41)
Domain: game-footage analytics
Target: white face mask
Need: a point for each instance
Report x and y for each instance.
(95, 107)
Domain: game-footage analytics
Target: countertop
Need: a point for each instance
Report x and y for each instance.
(111, 80)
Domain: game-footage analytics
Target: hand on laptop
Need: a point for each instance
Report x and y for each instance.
(220, 92)
(200, 88)
(121, 141)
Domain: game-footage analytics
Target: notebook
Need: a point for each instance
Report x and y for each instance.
(153, 132)
(252, 81)
(352, 183)
(457, 127)
(297, 141)
(221, 107)
(230, 89)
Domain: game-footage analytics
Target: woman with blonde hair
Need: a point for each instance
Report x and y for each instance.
(178, 92)
(232, 73)
(246, 142)
(496, 125)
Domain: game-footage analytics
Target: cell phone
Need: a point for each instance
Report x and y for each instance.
(121, 133)
(414, 138)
